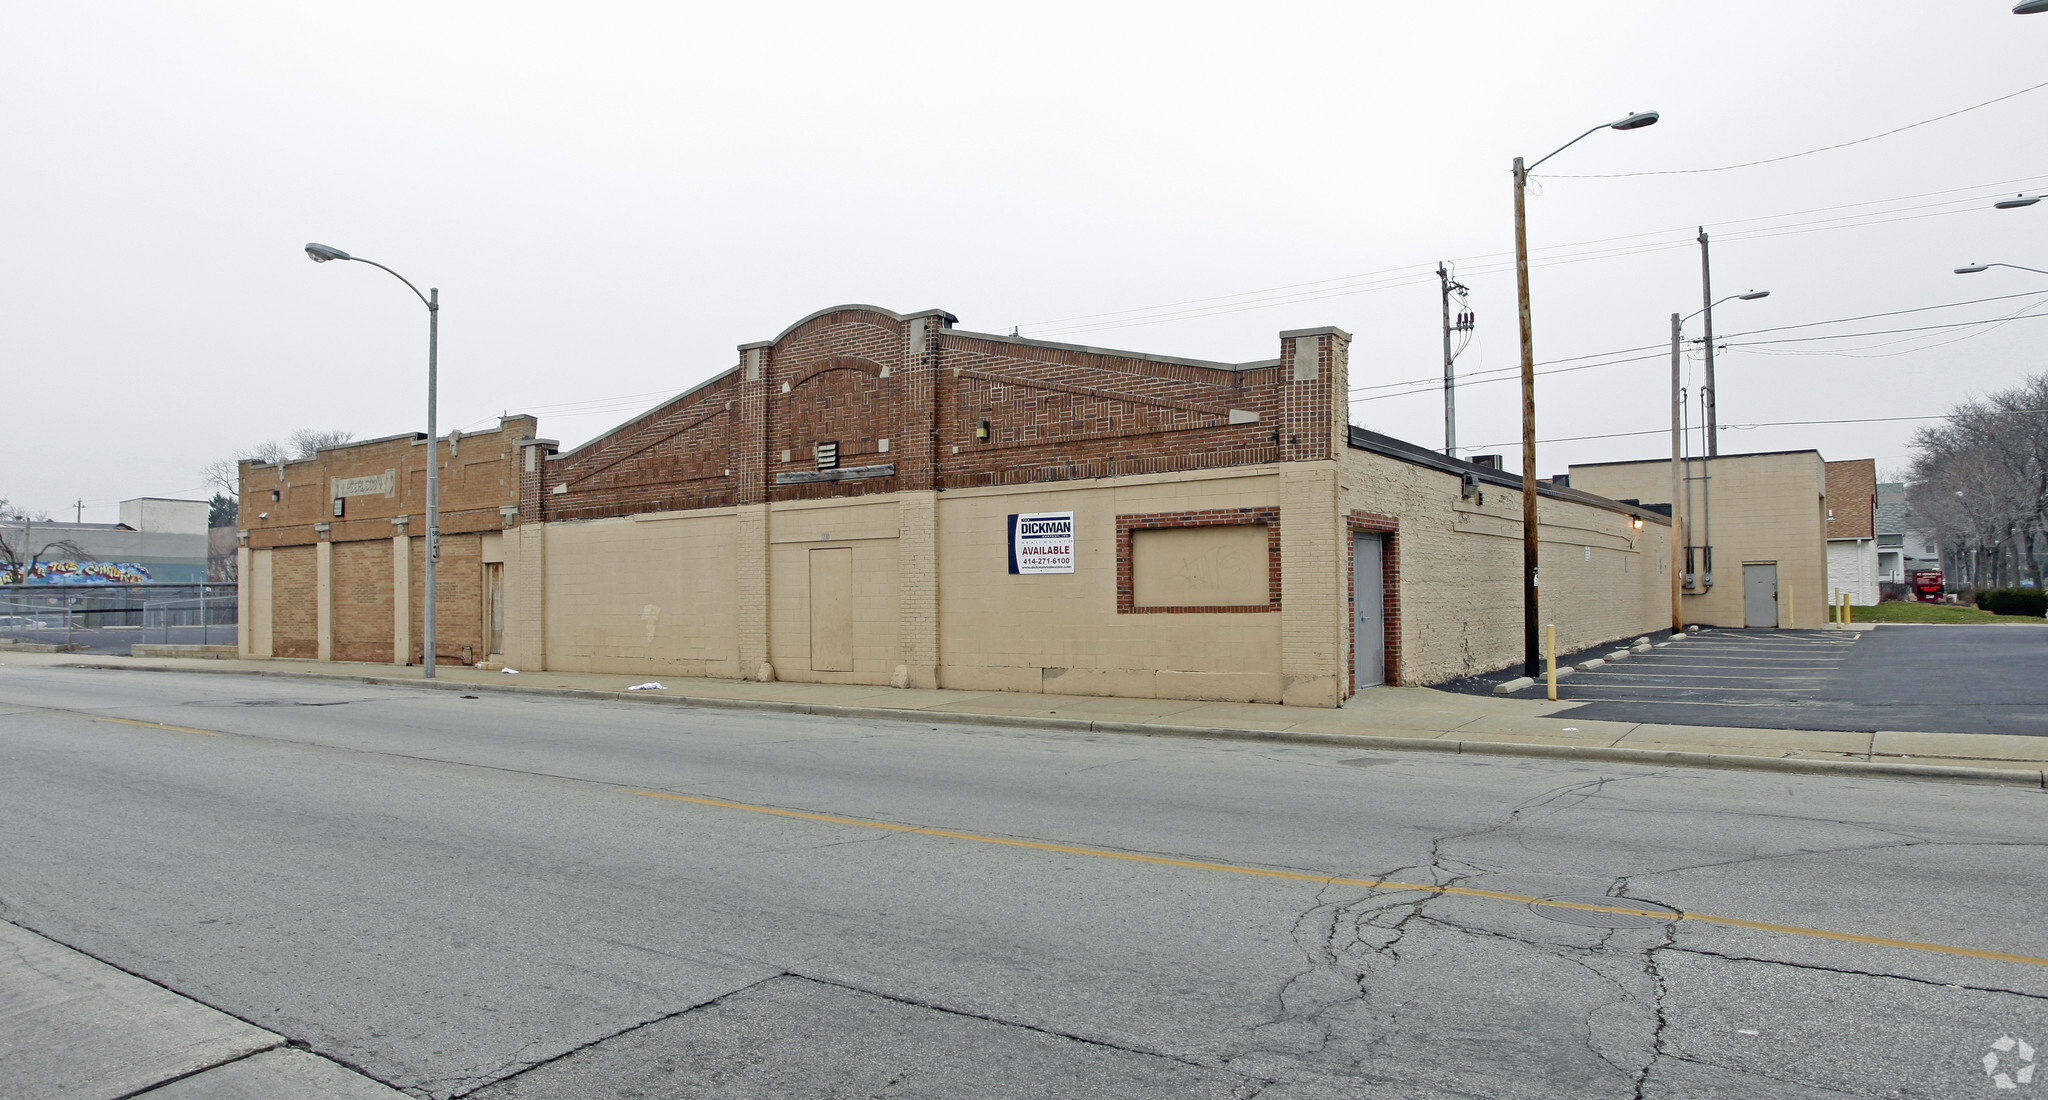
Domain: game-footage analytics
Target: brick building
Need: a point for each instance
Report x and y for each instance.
(1758, 525)
(1852, 531)
(329, 541)
(847, 503)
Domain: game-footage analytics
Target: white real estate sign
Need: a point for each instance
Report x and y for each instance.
(1042, 542)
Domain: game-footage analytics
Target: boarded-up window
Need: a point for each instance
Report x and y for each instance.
(1225, 566)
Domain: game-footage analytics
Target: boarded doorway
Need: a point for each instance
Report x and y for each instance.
(1760, 594)
(832, 610)
(494, 608)
(1368, 609)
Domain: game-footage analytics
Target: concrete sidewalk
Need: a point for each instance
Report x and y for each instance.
(75, 1028)
(1413, 719)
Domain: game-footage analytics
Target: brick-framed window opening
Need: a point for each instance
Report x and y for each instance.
(1388, 528)
(1126, 603)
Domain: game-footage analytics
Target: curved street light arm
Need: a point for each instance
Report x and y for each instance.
(408, 282)
(1567, 145)
(1730, 298)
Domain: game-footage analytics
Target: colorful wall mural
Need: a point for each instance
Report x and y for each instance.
(83, 572)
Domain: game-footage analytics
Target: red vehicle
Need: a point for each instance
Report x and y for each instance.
(1927, 585)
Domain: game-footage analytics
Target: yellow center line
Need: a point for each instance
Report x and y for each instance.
(91, 717)
(151, 725)
(1332, 880)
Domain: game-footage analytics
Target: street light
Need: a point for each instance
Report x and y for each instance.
(1532, 654)
(1681, 557)
(320, 254)
(2018, 201)
(2030, 7)
(1975, 268)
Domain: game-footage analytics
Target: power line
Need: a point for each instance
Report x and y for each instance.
(1752, 427)
(1810, 152)
(1489, 263)
(1428, 383)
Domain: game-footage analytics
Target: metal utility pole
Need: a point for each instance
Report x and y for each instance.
(1462, 324)
(320, 254)
(79, 515)
(1713, 424)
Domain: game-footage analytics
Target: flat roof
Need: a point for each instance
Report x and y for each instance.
(1699, 458)
(1418, 455)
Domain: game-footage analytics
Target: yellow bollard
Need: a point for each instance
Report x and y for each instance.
(1550, 647)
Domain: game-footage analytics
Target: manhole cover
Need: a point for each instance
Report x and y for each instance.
(1605, 912)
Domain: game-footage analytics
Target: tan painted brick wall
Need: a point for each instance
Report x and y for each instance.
(870, 528)
(750, 587)
(362, 590)
(295, 603)
(1314, 652)
(258, 611)
(1763, 508)
(1062, 632)
(653, 594)
(526, 596)
(917, 554)
(1461, 569)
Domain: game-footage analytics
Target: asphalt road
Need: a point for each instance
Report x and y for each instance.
(1940, 679)
(513, 896)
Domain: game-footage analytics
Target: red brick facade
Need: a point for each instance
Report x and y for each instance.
(914, 404)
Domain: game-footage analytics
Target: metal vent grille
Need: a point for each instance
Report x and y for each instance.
(828, 456)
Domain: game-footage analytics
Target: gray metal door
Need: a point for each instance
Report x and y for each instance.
(1368, 611)
(1760, 594)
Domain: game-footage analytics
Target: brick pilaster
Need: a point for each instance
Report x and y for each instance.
(750, 428)
(1314, 624)
(917, 550)
(750, 612)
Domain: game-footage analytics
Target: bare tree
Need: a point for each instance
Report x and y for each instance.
(306, 442)
(19, 549)
(1982, 480)
(224, 475)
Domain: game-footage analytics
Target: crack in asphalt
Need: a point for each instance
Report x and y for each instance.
(1855, 973)
(627, 1030)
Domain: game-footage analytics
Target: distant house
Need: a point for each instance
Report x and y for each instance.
(1852, 530)
(1904, 542)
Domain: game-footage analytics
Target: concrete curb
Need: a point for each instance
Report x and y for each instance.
(2034, 778)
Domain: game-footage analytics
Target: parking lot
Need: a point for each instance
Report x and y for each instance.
(1961, 679)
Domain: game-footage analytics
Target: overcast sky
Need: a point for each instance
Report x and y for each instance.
(613, 197)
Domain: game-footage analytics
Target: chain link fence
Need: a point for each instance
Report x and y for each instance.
(114, 617)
